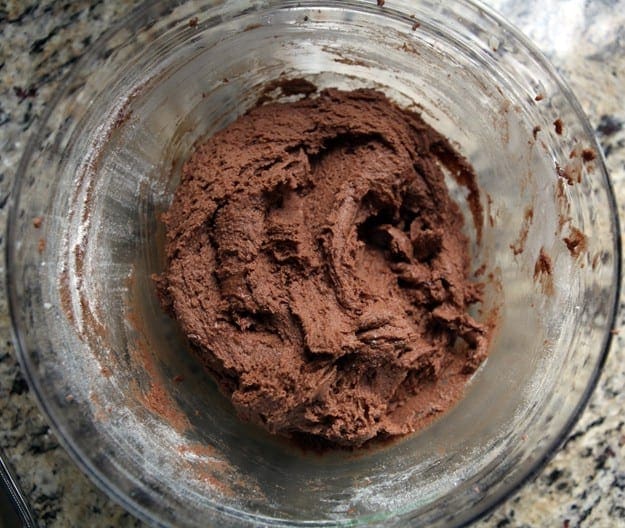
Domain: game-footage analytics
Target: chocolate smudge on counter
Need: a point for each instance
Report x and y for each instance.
(535, 131)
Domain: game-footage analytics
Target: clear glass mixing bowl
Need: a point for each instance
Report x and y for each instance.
(112, 373)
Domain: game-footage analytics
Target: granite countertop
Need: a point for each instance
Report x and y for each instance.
(584, 484)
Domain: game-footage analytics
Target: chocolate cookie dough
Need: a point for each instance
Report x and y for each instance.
(318, 266)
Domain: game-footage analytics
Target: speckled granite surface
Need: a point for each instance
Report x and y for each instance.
(584, 485)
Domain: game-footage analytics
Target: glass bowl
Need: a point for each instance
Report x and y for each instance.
(112, 372)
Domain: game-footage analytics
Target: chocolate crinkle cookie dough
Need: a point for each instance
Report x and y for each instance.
(317, 264)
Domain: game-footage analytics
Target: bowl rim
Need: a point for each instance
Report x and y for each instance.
(13, 300)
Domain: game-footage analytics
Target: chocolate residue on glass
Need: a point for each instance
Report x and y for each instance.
(570, 172)
(576, 242)
(286, 87)
(489, 210)
(151, 391)
(589, 154)
(519, 245)
(558, 125)
(318, 266)
(543, 272)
